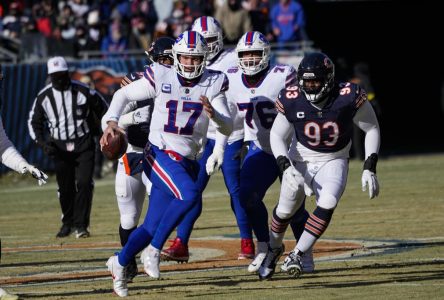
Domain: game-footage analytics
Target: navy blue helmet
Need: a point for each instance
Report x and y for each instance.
(316, 67)
(161, 48)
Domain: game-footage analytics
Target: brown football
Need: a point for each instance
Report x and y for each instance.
(116, 146)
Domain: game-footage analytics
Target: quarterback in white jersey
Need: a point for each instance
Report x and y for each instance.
(321, 114)
(131, 185)
(218, 59)
(186, 97)
(254, 87)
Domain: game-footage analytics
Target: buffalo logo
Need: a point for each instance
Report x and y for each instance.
(106, 81)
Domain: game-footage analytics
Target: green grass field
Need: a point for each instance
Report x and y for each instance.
(401, 233)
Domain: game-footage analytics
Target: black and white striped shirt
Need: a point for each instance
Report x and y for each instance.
(65, 113)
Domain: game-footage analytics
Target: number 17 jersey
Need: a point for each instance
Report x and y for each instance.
(179, 122)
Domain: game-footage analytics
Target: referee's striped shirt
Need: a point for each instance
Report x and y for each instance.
(64, 112)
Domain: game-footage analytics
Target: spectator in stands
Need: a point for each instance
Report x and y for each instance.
(143, 20)
(44, 17)
(234, 19)
(288, 22)
(94, 30)
(114, 43)
(14, 21)
(259, 14)
(180, 19)
(79, 7)
(199, 8)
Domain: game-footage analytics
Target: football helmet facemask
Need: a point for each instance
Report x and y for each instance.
(253, 41)
(211, 30)
(190, 43)
(316, 66)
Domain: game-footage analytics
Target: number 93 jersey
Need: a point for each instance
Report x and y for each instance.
(325, 130)
(179, 122)
(256, 103)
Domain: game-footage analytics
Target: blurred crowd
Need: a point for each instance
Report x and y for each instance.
(111, 27)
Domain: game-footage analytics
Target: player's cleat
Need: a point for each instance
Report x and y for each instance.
(268, 266)
(82, 232)
(262, 249)
(118, 273)
(150, 257)
(178, 251)
(292, 264)
(64, 231)
(131, 271)
(247, 249)
(307, 261)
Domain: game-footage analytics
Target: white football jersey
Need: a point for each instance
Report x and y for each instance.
(179, 122)
(222, 62)
(256, 103)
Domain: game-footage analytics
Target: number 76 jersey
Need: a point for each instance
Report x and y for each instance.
(256, 103)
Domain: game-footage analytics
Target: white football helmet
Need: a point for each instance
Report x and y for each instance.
(253, 41)
(210, 28)
(194, 44)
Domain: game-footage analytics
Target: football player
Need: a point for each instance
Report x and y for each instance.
(254, 87)
(186, 97)
(218, 59)
(321, 112)
(130, 185)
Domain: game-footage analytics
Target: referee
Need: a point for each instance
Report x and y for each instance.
(63, 119)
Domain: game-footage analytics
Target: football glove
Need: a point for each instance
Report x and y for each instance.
(292, 179)
(215, 160)
(36, 173)
(369, 176)
(369, 179)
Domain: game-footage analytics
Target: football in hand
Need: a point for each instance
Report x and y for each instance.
(116, 146)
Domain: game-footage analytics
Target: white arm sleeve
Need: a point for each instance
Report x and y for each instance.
(9, 156)
(365, 119)
(222, 118)
(137, 90)
(279, 135)
(221, 140)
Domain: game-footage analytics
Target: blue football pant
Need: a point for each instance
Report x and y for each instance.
(174, 193)
(259, 171)
(231, 171)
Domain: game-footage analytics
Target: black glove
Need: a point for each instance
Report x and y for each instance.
(242, 152)
(283, 163)
(48, 147)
